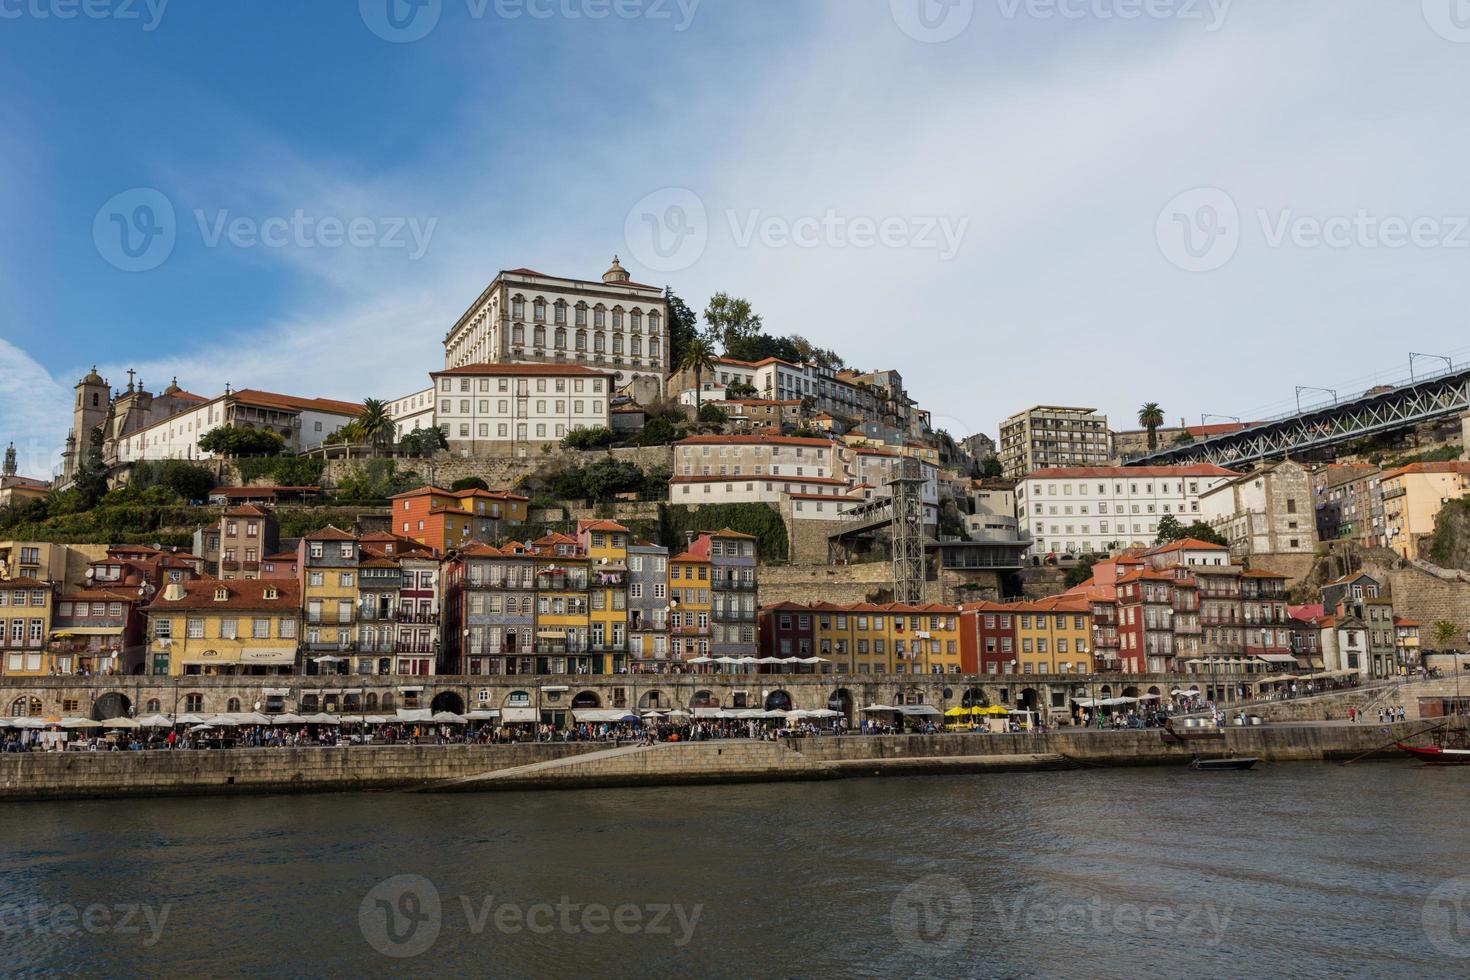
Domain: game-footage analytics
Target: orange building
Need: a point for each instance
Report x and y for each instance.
(445, 519)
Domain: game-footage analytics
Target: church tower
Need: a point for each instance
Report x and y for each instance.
(10, 466)
(94, 401)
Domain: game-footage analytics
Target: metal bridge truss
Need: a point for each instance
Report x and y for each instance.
(1319, 428)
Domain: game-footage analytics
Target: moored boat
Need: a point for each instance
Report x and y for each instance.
(1437, 755)
(1221, 765)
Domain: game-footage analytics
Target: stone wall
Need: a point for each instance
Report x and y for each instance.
(820, 582)
(507, 472)
(808, 539)
(1296, 567)
(1427, 598)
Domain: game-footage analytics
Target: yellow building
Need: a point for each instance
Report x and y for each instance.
(605, 543)
(446, 519)
(563, 620)
(1052, 632)
(689, 605)
(209, 627)
(865, 638)
(1412, 497)
(327, 563)
(25, 624)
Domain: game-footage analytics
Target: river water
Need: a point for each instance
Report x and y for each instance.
(1288, 871)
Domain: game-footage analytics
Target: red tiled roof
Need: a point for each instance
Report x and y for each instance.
(1451, 467)
(1191, 544)
(271, 399)
(758, 478)
(329, 533)
(245, 510)
(23, 583)
(242, 594)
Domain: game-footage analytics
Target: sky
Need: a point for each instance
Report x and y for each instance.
(1201, 203)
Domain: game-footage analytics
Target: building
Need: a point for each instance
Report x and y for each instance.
(1412, 498)
(648, 606)
(327, 563)
(34, 560)
(715, 384)
(420, 642)
(505, 409)
(1098, 509)
(379, 584)
(102, 420)
(616, 327)
(25, 623)
(211, 627)
(447, 519)
(303, 423)
(756, 413)
(490, 610)
(1268, 512)
(1052, 437)
(1348, 499)
(100, 631)
(1407, 642)
(246, 535)
(888, 638)
(605, 543)
(1048, 636)
(17, 490)
(980, 446)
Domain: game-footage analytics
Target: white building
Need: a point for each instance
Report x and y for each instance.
(413, 412)
(305, 423)
(1099, 508)
(781, 380)
(510, 409)
(768, 489)
(753, 455)
(526, 317)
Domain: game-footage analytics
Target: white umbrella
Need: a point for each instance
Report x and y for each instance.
(376, 720)
(121, 723)
(653, 714)
(321, 718)
(288, 719)
(879, 707)
(253, 718)
(155, 721)
(202, 728)
(678, 713)
(483, 714)
(701, 660)
(797, 715)
(448, 718)
(80, 723)
(223, 721)
(192, 720)
(28, 723)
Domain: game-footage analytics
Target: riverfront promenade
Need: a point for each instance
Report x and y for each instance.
(565, 765)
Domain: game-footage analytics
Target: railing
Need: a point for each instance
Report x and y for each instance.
(734, 615)
(426, 648)
(518, 585)
(733, 585)
(423, 619)
(1220, 621)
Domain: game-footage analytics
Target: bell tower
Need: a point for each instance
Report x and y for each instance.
(94, 401)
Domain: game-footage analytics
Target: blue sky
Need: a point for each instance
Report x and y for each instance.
(1027, 173)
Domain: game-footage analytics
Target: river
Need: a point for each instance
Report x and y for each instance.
(1289, 871)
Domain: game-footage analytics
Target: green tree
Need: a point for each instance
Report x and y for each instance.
(683, 326)
(589, 438)
(659, 430)
(699, 357)
(232, 441)
(374, 422)
(729, 319)
(423, 442)
(1151, 416)
(713, 415)
(190, 482)
(990, 467)
(1172, 529)
(469, 483)
(609, 477)
(1082, 571)
(1445, 633)
(741, 389)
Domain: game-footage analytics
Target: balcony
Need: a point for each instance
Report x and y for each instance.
(734, 615)
(514, 584)
(428, 649)
(419, 618)
(1216, 620)
(733, 585)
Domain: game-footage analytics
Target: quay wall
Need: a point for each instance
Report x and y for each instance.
(40, 775)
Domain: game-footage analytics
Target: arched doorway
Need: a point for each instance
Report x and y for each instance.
(778, 701)
(841, 700)
(586, 699)
(111, 705)
(1130, 692)
(653, 701)
(26, 708)
(447, 701)
(974, 698)
(704, 699)
(1155, 692)
(1029, 700)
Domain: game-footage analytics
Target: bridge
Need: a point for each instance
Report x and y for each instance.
(1377, 411)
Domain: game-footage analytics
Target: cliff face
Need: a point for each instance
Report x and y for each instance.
(1449, 545)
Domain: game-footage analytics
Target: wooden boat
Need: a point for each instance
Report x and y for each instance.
(1223, 765)
(1437, 755)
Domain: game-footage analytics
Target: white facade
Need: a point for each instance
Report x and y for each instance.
(413, 412)
(523, 316)
(753, 456)
(305, 423)
(700, 490)
(1095, 509)
(508, 409)
(782, 381)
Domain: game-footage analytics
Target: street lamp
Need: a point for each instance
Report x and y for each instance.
(1438, 357)
(1302, 388)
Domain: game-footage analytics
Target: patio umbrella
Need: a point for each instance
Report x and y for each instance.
(448, 718)
(121, 723)
(252, 718)
(192, 720)
(376, 720)
(322, 718)
(155, 721)
(679, 713)
(483, 714)
(222, 721)
(879, 707)
(202, 728)
(288, 719)
(80, 723)
(957, 712)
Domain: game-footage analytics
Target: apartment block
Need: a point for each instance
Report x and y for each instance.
(1052, 437)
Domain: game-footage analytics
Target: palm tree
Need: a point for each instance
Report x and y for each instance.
(699, 357)
(1151, 416)
(374, 422)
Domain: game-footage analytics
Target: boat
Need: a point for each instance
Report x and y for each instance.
(1223, 765)
(1437, 755)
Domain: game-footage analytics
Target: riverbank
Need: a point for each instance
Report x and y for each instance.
(577, 765)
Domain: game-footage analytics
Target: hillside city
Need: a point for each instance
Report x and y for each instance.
(595, 483)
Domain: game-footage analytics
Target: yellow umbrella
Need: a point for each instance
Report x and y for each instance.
(994, 709)
(956, 712)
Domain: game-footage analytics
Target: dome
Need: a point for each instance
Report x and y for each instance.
(93, 378)
(616, 273)
(173, 387)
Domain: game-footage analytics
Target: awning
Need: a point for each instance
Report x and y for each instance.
(410, 690)
(919, 709)
(483, 714)
(879, 707)
(88, 631)
(268, 655)
(415, 714)
(596, 715)
(706, 712)
(555, 687)
(519, 716)
(276, 692)
(1276, 658)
